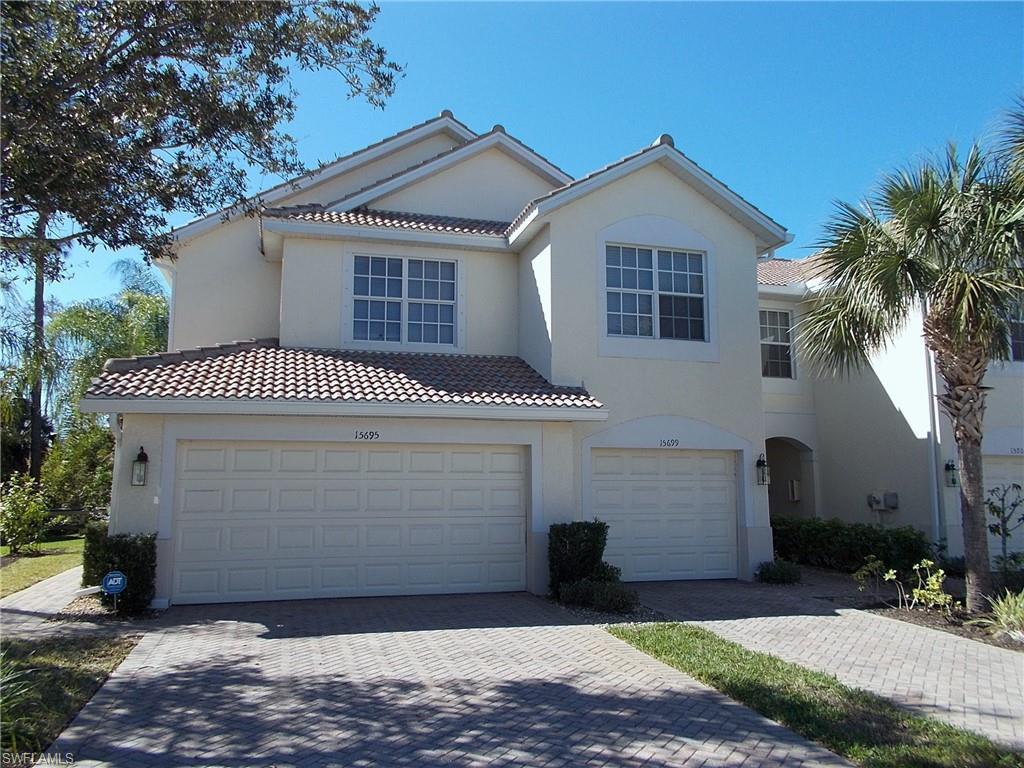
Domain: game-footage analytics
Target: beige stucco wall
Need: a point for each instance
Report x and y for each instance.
(490, 185)
(535, 306)
(316, 295)
(224, 290)
(725, 393)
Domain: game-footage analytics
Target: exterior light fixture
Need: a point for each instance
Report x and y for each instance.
(951, 475)
(764, 473)
(139, 467)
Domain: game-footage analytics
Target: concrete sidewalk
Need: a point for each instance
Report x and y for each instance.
(29, 610)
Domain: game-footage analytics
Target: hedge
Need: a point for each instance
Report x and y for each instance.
(133, 555)
(844, 546)
(575, 551)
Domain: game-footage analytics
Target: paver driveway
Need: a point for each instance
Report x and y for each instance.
(458, 680)
(961, 681)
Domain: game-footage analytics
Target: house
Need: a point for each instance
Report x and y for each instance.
(452, 344)
(874, 447)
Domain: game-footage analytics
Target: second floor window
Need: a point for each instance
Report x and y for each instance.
(655, 293)
(1017, 336)
(403, 300)
(776, 344)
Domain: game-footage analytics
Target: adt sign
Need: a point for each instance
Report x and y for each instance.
(114, 583)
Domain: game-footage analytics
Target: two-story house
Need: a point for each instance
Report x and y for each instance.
(874, 447)
(451, 345)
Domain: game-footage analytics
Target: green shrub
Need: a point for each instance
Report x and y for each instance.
(575, 551)
(1006, 616)
(133, 555)
(608, 573)
(23, 513)
(778, 572)
(604, 596)
(845, 546)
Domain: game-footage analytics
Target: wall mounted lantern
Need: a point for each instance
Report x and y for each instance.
(951, 475)
(139, 467)
(764, 473)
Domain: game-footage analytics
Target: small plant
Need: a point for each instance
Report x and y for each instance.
(1006, 616)
(22, 513)
(1003, 503)
(17, 688)
(872, 572)
(929, 593)
(778, 572)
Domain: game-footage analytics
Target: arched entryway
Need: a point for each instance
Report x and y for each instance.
(791, 492)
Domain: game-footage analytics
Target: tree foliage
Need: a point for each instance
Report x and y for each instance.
(79, 468)
(944, 237)
(116, 114)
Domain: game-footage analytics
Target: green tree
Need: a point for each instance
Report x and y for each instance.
(944, 237)
(79, 467)
(116, 114)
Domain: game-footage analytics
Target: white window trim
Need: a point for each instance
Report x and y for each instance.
(348, 306)
(792, 349)
(658, 232)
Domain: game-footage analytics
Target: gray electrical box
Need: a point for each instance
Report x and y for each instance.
(891, 499)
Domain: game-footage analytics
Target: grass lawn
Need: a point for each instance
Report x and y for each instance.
(60, 676)
(861, 726)
(54, 556)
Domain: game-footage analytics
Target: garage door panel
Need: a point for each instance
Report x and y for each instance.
(331, 520)
(1001, 471)
(671, 514)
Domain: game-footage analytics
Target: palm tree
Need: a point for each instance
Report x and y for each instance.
(945, 236)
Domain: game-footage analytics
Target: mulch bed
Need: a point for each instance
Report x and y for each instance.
(92, 610)
(935, 620)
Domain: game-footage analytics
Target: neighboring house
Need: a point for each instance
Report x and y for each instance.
(834, 441)
(452, 345)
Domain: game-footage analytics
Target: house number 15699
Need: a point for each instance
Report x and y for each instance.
(673, 443)
(360, 435)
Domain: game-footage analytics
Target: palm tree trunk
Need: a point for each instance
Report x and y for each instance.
(963, 367)
(972, 511)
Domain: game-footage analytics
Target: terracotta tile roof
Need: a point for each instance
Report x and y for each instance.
(260, 370)
(367, 217)
(784, 271)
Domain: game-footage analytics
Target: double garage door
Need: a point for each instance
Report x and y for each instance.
(272, 521)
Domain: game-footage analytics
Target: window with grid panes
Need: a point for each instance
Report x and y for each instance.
(404, 300)
(655, 293)
(776, 344)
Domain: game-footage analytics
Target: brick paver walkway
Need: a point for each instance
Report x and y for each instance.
(961, 681)
(460, 680)
(29, 609)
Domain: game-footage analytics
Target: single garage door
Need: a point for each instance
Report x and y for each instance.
(1000, 471)
(671, 514)
(276, 520)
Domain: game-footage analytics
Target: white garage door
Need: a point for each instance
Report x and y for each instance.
(274, 521)
(671, 514)
(1000, 471)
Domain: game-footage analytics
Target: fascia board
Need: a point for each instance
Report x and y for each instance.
(304, 408)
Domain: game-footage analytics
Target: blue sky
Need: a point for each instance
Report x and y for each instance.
(793, 105)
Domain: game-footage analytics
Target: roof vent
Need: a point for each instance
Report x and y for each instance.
(498, 128)
(447, 113)
(664, 139)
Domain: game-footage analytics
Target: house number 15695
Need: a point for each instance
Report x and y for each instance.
(360, 435)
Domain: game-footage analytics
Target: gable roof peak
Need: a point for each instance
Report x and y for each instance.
(666, 139)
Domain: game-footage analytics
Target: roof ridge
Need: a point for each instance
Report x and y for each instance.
(142, 362)
(444, 216)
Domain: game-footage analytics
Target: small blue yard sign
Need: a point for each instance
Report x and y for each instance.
(114, 583)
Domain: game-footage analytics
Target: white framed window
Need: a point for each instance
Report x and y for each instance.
(404, 300)
(776, 344)
(655, 293)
